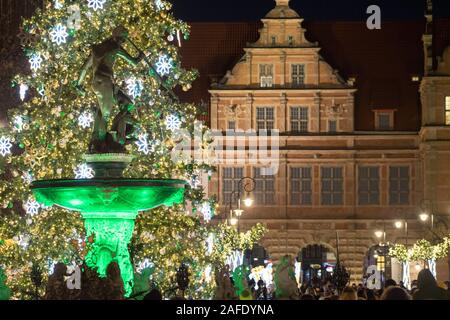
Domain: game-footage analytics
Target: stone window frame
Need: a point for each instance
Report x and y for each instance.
(231, 125)
(225, 199)
(300, 75)
(301, 203)
(335, 120)
(265, 74)
(299, 120)
(266, 195)
(333, 166)
(378, 167)
(265, 120)
(390, 202)
(383, 112)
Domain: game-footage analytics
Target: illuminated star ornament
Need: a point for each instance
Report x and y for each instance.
(173, 122)
(59, 34)
(134, 87)
(35, 62)
(85, 120)
(32, 207)
(96, 4)
(83, 171)
(164, 65)
(143, 145)
(5, 146)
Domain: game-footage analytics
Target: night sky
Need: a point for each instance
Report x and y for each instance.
(252, 10)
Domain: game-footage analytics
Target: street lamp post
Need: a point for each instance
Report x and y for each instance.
(424, 216)
(247, 185)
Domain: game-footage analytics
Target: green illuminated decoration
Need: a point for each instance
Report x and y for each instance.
(109, 208)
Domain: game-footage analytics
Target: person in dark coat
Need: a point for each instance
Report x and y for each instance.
(428, 288)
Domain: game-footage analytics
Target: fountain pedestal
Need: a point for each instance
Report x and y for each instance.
(109, 206)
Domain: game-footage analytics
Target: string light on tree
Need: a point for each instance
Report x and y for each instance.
(59, 34)
(164, 65)
(134, 87)
(35, 62)
(5, 146)
(23, 91)
(83, 171)
(32, 207)
(96, 4)
(85, 120)
(173, 122)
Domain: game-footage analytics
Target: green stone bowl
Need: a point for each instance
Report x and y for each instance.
(113, 196)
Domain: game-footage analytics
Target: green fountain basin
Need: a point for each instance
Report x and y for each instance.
(109, 196)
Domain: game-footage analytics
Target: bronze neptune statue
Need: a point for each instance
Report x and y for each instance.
(101, 60)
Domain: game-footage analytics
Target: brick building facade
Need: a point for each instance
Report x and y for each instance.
(334, 174)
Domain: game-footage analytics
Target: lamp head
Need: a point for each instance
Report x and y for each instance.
(398, 224)
(248, 202)
(238, 212)
(379, 234)
(424, 217)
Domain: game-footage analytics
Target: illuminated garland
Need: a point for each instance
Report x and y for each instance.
(422, 250)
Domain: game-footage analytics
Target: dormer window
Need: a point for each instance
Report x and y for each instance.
(384, 120)
(266, 75)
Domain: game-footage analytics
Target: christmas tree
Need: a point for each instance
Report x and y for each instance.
(101, 79)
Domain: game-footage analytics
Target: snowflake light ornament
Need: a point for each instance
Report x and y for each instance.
(173, 122)
(58, 5)
(59, 34)
(23, 91)
(35, 62)
(18, 123)
(85, 120)
(134, 87)
(41, 91)
(32, 207)
(27, 177)
(159, 4)
(143, 144)
(96, 4)
(206, 210)
(83, 171)
(164, 65)
(5, 146)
